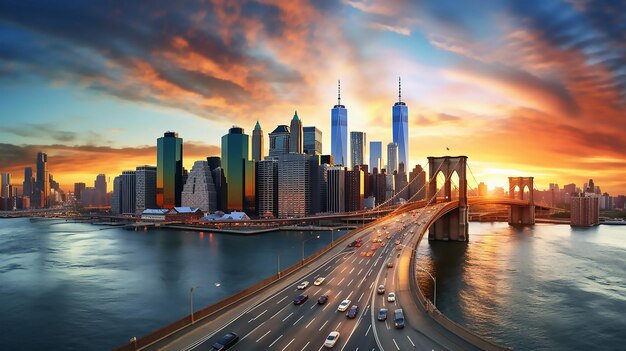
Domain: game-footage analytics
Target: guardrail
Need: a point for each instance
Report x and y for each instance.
(179, 325)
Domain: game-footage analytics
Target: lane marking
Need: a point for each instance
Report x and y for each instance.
(350, 282)
(395, 343)
(344, 268)
(288, 344)
(342, 279)
(337, 327)
(361, 270)
(411, 341)
(323, 325)
(253, 330)
(281, 300)
(307, 344)
(294, 323)
(255, 318)
(352, 270)
(259, 339)
(309, 323)
(281, 335)
(350, 294)
(359, 300)
(312, 307)
(279, 311)
(368, 329)
(290, 314)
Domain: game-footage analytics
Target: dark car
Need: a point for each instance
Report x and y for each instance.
(382, 314)
(353, 311)
(398, 320)
(300, 299)
(322, 299)
(226, 342)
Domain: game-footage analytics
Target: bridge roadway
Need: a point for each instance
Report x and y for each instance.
(271, 321)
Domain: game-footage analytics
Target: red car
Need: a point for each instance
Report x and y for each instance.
(300, 299)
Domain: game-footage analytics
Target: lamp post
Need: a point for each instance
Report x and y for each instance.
(430, 275)
(191, 300)
(303, 241)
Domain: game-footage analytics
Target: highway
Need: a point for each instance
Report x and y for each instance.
(274, 322)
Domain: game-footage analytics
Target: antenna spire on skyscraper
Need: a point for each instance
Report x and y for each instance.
(399, 89)
(338, 92)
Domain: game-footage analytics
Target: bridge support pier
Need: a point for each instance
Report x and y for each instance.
(454, 224)
(518, 214)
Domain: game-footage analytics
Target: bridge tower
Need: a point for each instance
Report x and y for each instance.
(453, 225)
(522, 214)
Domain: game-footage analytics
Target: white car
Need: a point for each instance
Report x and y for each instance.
(319, 281)
(331, 339)
(303, 285)
(343, 306)
(391, 297)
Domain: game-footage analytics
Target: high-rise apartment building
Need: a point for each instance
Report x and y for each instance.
(392, 158)
(42, 182)
(267, 188)
(312, 141)
(199, 190)
(258, 151)
(100, 184)
(294, 185)
(127, 194)
(339, 131)
(145, 188)
(357, 148)
(6, 185)
(376, 155)
(238, 170)
(417, 189)
(78, 189)
(29, 182)
(400, 128)
(585, 211)
(355, 190)
(219, 180)
(116, 197)
(169, 170)
(279, 141)
(296, 138)
(336, 198)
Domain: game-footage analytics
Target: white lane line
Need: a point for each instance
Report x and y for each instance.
(350, 282)
(253, 330)
(281, 335)
(255, 318)
(368, 329)
(281, 300)
(361, 270)
(327, 268)
(337, 327)
(395, 343)
(312, 307)
(339, 294)
(361, 261)
(352, 270)
(259, 339)
(372, 285)
(309, 323)
(294, 323)
(279, 311)
(411, 341)
(352, 332)
(323, 309)
(350, 294)
(317, 292)
(323, 325)
(342, 279)
(355, 259)
(288, 344)
(307, 344)
(344, 268)
(359, 300)
(290, 314)
(385, 281)
(331, 280)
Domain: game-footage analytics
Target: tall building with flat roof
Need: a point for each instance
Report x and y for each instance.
(294, 185)
(258, 151)
(357, 148)
(199, 190)
(296, 137)
(417, 189)
(312, 141)
(169, 170)
(585, 211)
(116, 197)
(400, 128)
(392, 158)
(267, 188)
(128, 195)
(376, 155)
(339, 131)
(6, 185)
(78, 189)
(42, 183)
(100, 184)
(238, 170)
(336, 198)
(279, 141)
(145, 188)
(29, 182)
(355, 190)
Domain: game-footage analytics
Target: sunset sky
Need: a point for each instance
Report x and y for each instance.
(523, 88)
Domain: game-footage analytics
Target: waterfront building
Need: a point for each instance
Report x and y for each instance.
(127, 195)
(258, 151)
(400, 126)
(267, 188)
(184, 214)
(29, 182)
(116, 197)
(154, 214)
(238, 170)
(376, 155)
(312, 141)
(145, 188)
(6, 185)
(417, 189)
(339, 131)
(219, 180)
(392, 158)
(78, 188)
(354, 189)
(585, 211)
(296, 137)
(357, 148)
(336, 189)
(199, 191)
(169, 170)
(42, 182)
(279, 141)
(294, 185)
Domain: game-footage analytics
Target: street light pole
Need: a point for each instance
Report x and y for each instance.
(191, 300)
(303, 241)
(279, 266)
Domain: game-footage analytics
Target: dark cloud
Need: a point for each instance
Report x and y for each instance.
(41, 130)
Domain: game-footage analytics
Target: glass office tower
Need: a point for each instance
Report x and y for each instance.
(169, 170)
(339, 132)
(376, 155)
(400, 116)
(238, 170)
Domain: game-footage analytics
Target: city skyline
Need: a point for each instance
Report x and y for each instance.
(499, 91)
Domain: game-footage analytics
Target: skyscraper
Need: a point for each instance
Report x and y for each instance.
(116, 197)
(169, 170)
(100, 184)
(42, 183)
(29, 183)
(219, 180)
(400, 112)
(339, 131)
(336, 189)
(357, 148)
(376, 155)
(127, 194)
(238, 170)
(296, 137)
(267, 188)
(145, 188)
(355, 189)
(6, 185)
(258, 151)
(279, 141)
(78, 189)
(417, 189)
(199, 190)
(294, 185)
(312, 141)
(392, 158)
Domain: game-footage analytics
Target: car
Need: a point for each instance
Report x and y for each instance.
(382, 243)
(388, 237)
(226, 342)
(374, 240)
(331, 340)
(322, 299)
(300, 299)
(398, 319)
(397, 242)
(358, 244)
(382, 314)
(343, 306)
(303, 285)
(368, 254)
(412, 231)
(391, 297)
(318, 281)
(352, 244)
(354, 310)
(374, 247)
(390, 264)
(363, 253)
(398, 248)
(380, 290)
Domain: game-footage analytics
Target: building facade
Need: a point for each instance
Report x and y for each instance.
(296, 137)
(294, 185)
(258, 147)
(169, 170)
(400, 129)
(376, 155)
(29, 182)
(42, 182)
(392, 158)
(127, 195)
(267, 188)
(585, 211)
(145, 188)
(199, 190)
(279, 141)
(336, 194)
(357, 148)
(312, 141)
(355, 190)
(339, 133)
(238, 170)
(116, 197)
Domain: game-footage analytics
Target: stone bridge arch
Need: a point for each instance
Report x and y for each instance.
(453, 225)
(522, 214)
